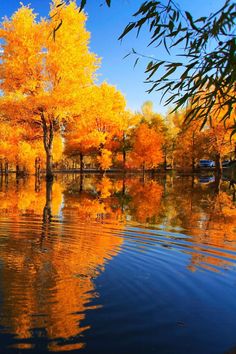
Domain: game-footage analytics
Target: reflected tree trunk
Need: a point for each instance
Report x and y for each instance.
(123, 194)
(81, 182)
(37, 185)
(143, 168)
(123, 186)
(6, 181)
(164, 184)
(37, 166)
(47, 211)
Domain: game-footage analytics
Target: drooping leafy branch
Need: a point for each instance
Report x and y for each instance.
(201, 70)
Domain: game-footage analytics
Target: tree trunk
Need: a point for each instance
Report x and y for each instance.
(193, 164)
(143, 172)
(6, 180)
(165, 161)
(36, 166)
(172, 156)
(39, 167)
(48, 144)
(143, 167)
(81, 158)
(17, 170)
(218, 165)
(24, 171)
(124, 158)
(6, 167)
(124, 151)
(49, 172)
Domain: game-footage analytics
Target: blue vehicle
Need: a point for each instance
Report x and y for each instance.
(206, 164)
(206, 179)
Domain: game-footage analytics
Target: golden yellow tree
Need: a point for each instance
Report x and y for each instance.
(98, 126)
(43, 79)
(147, 149)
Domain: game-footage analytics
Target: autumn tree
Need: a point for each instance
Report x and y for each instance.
(202, 54)
(147, 148)
(190, 142)
(9, 142)
(173, 125)
(130, 122)
(97, 129)
(159, 123)
(221, 142)
(42, 78)
(190, 147)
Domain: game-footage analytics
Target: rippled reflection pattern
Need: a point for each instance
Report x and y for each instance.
(117, 265)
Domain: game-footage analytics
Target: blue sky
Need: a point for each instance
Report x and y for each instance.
(105, 25)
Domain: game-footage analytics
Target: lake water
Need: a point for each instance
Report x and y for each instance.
(117, 265)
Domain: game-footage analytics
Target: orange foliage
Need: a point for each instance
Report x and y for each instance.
(147, 149)
(98, 125)
(44, 81)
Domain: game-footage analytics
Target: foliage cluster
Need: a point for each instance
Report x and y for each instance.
(200, 71)
(52, 110)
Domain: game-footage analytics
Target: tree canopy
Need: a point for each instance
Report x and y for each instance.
(201, 68)
(44, 81)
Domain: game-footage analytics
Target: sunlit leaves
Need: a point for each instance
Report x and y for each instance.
(207, 48)
(147, 149)
(44, 81)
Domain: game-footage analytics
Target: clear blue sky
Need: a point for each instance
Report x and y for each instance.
(105, 25)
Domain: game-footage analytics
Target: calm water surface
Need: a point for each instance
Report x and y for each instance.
(118, 266)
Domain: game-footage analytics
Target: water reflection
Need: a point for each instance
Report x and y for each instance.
(56, 239)
(48, 266)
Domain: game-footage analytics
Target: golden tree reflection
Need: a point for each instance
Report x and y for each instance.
(57, 238)
(49, 271)
(207, 213)
(146, 200)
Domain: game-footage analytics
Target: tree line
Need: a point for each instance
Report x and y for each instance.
(53, 114)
